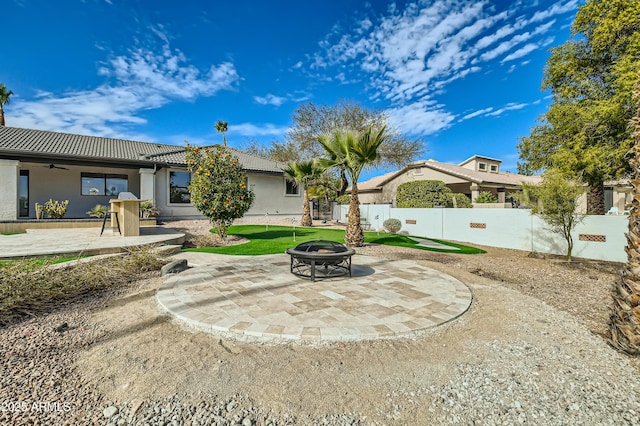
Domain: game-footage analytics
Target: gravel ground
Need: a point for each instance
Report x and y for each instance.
(529, 351)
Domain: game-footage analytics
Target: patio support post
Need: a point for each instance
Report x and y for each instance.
(475, 191)
(148, 185)
(10, 177)
(501, 195)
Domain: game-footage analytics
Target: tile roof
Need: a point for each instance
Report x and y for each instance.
(451, 169)
(30, 143)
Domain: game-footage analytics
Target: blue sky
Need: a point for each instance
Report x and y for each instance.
(462, 76)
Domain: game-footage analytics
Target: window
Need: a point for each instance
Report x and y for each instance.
(104, 184)
(179, 187)
(494, 168)
(417, 171)
(291, 188)
(482, 167)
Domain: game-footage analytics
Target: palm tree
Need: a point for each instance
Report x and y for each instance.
(353, 151)
(222, 126)
(625, 319)
(304, 173)
(4, 100)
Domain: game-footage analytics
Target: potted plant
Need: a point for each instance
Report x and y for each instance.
(147, 210)
(39, 211)
(56, 209)
(98, 211)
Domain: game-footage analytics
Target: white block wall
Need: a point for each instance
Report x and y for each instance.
(505, 228)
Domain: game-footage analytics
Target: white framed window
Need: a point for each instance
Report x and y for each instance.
(291, 189)
(482, 167)
(493, 168)
(417, 171)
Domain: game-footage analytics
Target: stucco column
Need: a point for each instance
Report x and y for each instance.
(475, 191)
(501, 195)
(148, 185)
(9, 176)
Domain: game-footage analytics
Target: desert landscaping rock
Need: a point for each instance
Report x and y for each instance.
(529, 351)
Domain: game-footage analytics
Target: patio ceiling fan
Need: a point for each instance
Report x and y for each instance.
(53, 166)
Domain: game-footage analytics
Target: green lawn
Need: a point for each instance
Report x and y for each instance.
(279, 238)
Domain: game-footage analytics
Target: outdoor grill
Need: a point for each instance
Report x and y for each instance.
(320, 259)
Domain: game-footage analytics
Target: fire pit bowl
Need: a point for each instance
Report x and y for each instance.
(320, 259)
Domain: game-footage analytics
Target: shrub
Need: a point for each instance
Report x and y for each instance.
(485, 197)
(423, 194)
(98, 211)
(147, 209)
(343, 199)
(392, 225)
(461, 201)
(56, 209)
(218, 186)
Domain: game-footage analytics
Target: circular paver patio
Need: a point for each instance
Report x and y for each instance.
(258, 298)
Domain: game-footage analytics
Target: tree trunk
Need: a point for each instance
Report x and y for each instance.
(595, 200)
(353, 235)
(306, 219)
(625, 319)
(1, 117)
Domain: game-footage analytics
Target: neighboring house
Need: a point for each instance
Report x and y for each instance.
(472, 176)
(475, 175)
(37, 165)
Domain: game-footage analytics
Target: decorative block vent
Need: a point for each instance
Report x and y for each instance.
(410, 221)
(593, 238)
(478, 225)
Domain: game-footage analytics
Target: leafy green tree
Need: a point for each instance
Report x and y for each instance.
(557, 203)
(461, 201)
(624, 324)
(304, 173)
(222, 127)
(4, 100)
(218, 186)
(585, 132)
(353, 151)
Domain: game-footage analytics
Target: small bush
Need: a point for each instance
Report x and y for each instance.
(56, 209)
(485, 197)
(392, 225)
(98, 211)
(343, 199)
(462, 201)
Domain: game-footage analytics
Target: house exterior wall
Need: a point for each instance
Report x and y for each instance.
(390, 189)
(9, 172)
(269, 193)
(60, 185)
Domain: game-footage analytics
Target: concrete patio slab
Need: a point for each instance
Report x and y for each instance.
(257, 299)
(80, 241)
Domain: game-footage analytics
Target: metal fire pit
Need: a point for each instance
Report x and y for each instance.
(320, 259)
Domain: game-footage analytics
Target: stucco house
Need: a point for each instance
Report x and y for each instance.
(472, 176)
(37, 165)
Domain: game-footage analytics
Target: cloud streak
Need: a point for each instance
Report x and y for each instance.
(409, 56)
(138, 81)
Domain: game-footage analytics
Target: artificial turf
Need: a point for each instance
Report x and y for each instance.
(279, 238)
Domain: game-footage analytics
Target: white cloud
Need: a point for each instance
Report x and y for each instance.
(253, 130)
(411, 55)
(421, 117)
(508, 107)
(141, 80)
(477, 113)
(270, 100)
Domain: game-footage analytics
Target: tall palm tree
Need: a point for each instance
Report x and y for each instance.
(304, 173)
(4, 100)
(353, 151)
(222, 126)
(625, 319)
